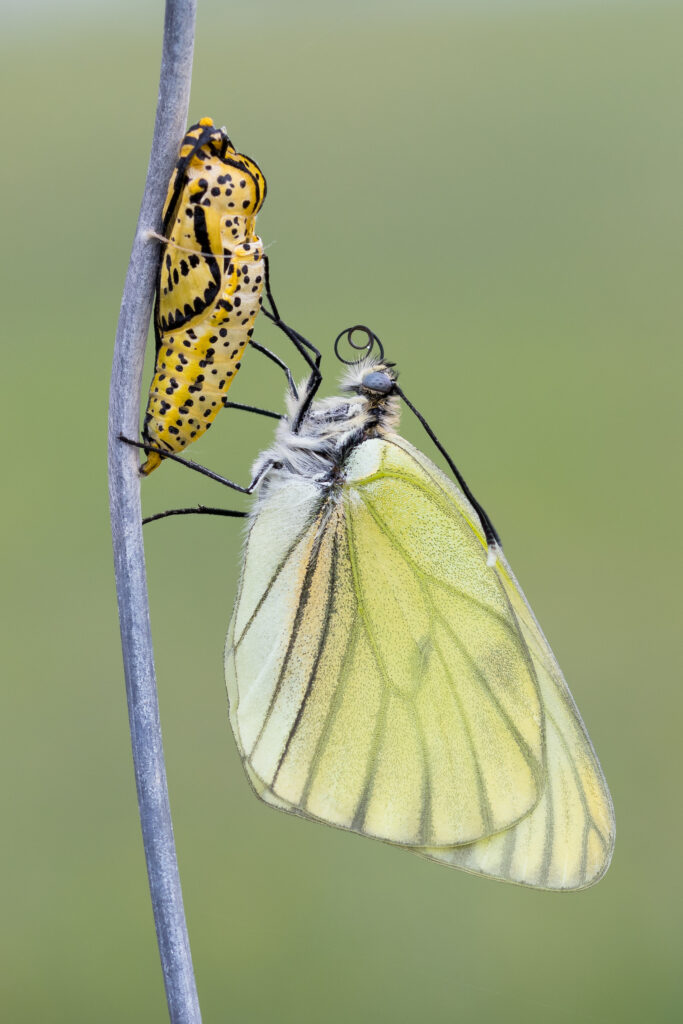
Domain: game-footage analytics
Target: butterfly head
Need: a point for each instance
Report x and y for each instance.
(379, 382)
(371, 380)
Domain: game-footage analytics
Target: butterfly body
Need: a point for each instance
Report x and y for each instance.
(209, 289)
(385, 678)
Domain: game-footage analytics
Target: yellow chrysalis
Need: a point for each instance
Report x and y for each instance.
(209, 289)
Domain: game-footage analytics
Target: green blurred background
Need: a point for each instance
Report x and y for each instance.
(496, 190)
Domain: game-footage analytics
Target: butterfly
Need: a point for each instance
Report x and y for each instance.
(385, 672)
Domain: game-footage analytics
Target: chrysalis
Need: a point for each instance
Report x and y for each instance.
(211, 278)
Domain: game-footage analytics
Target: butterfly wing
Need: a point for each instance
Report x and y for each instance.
(377, 675)
(566, 842)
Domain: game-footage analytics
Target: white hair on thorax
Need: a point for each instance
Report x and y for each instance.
(329, 429)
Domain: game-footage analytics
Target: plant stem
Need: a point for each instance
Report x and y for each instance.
(126, 520)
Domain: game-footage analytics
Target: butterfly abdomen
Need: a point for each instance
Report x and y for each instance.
(209, 288)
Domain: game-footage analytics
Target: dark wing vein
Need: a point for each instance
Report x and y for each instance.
(371, 773)
(549, 835)
(510, 843)
(590, 820)
(316, 661)
(426, 810)
(288, 554)
(380, 722)
(484, 801)
(332, 713)
(304, 595)
(524, 747)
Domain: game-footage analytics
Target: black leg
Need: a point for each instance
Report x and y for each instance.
(253, 408)
(303, 347)
(279, 362)
(199, 510)
(196, 467)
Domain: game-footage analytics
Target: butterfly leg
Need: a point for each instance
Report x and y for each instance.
(305, 348)
(198, 510)
(199, 469)
(279, 362)
(253, 408)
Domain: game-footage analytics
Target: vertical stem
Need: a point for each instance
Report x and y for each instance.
(124, 492)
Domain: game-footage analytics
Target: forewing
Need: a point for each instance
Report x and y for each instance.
(449, 648)
(395, 696)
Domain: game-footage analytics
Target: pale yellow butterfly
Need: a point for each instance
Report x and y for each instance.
(385, 673)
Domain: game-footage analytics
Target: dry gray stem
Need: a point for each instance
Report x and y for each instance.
(124, 492)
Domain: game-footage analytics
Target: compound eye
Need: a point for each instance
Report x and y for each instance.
(378, 381)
